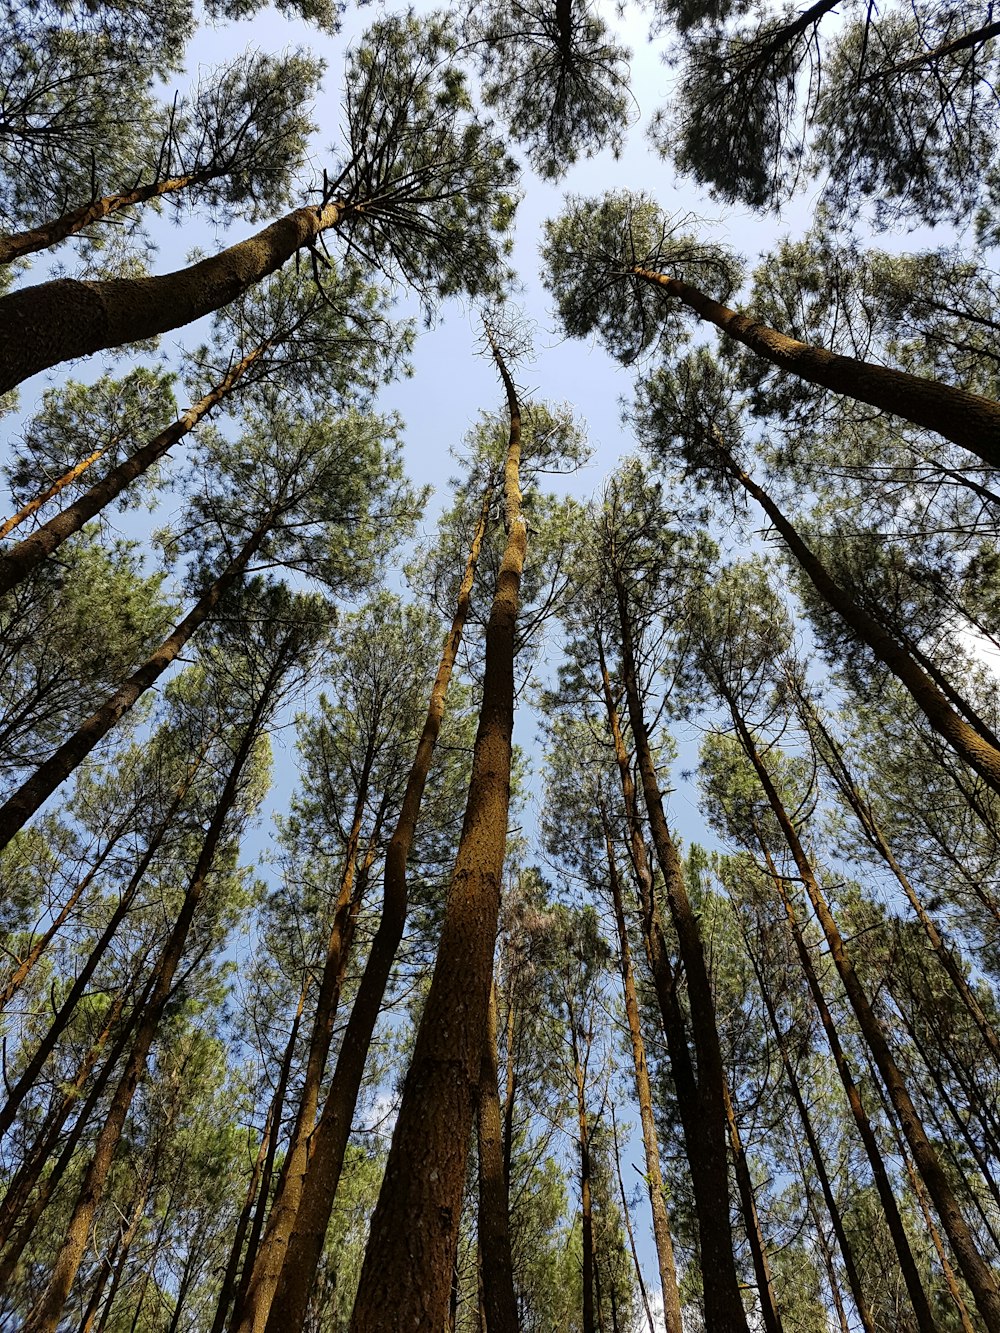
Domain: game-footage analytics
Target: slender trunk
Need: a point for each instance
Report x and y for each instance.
(229, 1278)
(705, 1131)
(627, 1217)
(277, 1114)
(21, 559)
(911, 1277)
(975, 1270)
(15, 245)
(964, 418)
(964, 739)
(751, 1220)
(47, 1312)
(115, 1262)
(57, 321)
(270, 1258)
(499, 1300)
(831, 1272)
(833, 759)
(19, 807)
(588, 1323)
(82, 980)
(644, 1093)
(50, 492)
(935, 1235)
(414, 1230)
(819, 1165)
(510, 1081)
(330, 1140)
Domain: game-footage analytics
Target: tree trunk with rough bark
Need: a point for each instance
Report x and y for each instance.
(499, 1298)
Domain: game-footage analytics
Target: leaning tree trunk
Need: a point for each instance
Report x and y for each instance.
(50, 492)
(977, 1273)
(21, 559)
(411, 1251)
(964, 739)
(67, 318)
(587, 1323)
(47, 1311)
(964, 418)
(705, 1131)
(644, 1093)
(18, 808)
(329, 1143)
(770, 1317)
(499, 1298)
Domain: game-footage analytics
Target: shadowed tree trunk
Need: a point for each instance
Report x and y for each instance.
(412, 1245)
(57, 321)
(50, 492)
(964, 418)
(751, 1221)
(644, 1093)
(705, 1118)
(587, 1324)
(499, 1299)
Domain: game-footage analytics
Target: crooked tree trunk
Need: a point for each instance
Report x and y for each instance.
(497, 1267)
(14, 245)
(964, 418)
(19, 807)
(644, 1094)
(21, 559)
(47, 1311)
(411, 1250)
(977, 1273)
(705, 1120)
(57, 321)
(963, 738)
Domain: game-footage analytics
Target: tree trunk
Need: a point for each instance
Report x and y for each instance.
(911, 1277)
(227, 1291)
(968, 40)
(46, 1314)
(650, 1142)
(50, 492)
(626, 1217)
(21, 559)
(19, 807)
(14, 245)
(964, 739)
(975, 1270)
(964, 418)
(60, 320)
(770, 1317)
(499, 1300)
(588, 1323)
(414, 1231)
(705, 1125)
(829, 1198)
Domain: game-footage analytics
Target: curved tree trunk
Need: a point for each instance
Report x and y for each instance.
(57, 321)
(411, 1250)
(964, 418)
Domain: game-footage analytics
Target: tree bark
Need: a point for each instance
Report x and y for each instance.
(770, 1317)
(964, 418)
(18, 808)
(499, 1299)
(50, 492)
(57, 321)
(705, 1122)
(975, 1270)
(21, 559)
(968, 40)
(644, 1093)
(964, 739)
(414, 1232)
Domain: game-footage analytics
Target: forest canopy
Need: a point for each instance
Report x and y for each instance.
(499, 616)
